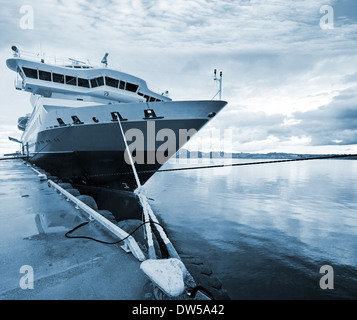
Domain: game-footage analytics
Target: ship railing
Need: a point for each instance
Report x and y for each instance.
(37, 57)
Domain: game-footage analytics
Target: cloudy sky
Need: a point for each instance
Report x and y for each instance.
(289, 73)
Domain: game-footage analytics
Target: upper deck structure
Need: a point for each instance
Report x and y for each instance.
(76, 78)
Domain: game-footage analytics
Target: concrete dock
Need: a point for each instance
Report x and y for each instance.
(33, 221)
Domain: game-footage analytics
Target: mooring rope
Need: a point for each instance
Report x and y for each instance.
(249, 163)
(149, 234)
(148, 213)
(221, 165)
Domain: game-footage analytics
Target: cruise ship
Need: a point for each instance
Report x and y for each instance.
(74, 130)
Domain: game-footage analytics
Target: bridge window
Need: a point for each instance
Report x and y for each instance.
(97, 82)
(152, 99)
(71, 80)
(59, 78)
(131, 87)
(30, 73)
(122, 85)
(111, 82)
(100, 81)
(44, 75)
(83, 83)
(94, 83)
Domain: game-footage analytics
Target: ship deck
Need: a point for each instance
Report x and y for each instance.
(34, 220)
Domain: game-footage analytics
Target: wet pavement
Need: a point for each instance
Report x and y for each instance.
(33, 221)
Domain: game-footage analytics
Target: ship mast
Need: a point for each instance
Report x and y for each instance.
(220, 83)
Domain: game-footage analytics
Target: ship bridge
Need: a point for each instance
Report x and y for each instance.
(80, 82)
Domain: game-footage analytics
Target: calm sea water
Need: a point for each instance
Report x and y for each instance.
(265, 230)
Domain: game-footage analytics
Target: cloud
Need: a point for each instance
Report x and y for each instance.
(278, 65)
(335, 123)
(345, 11)
(351, 78)
(182, 23)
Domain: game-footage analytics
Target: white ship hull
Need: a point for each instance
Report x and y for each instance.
(73, 131)
(94, 152)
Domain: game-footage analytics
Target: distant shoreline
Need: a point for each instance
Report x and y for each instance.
(186, 154)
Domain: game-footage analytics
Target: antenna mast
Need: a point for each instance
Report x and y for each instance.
(105, 60)
(220, 82)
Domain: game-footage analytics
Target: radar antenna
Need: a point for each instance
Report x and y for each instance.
(15, 51)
